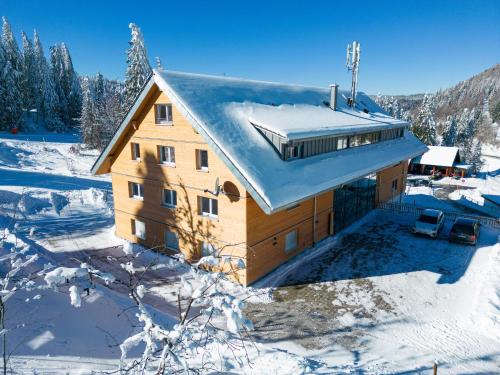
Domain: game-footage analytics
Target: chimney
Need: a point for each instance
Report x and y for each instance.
(333, 96)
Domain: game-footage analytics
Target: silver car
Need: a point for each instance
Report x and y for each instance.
(430, 222)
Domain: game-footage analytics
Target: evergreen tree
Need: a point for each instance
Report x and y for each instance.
(138, 68)
(28, 75)
(87, 118)
(46, 96)
(466, 131)
(66, 85)
(475, 156)
(449, 132)
(12, 106)
(424, 126)
(3, 92)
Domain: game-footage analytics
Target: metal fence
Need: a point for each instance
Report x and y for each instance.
(416, 210)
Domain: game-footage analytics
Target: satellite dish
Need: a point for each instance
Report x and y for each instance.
(217, 188)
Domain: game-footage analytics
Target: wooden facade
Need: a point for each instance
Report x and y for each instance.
(241, 228)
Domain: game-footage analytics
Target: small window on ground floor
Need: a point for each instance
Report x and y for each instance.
(171, 240)
(291, 240)
(139, 229)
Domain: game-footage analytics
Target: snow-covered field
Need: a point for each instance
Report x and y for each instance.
(406, 302)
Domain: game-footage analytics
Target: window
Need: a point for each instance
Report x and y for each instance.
(139, 229)
(208, 207)
(202, 160)
(136, 151)
(169, 198)
(394, 185)
(291, 241)
(163, 114)
(136, 190)
(292, 152)
(341, 143)
(171, 240)
(207, 249)
(167, 155)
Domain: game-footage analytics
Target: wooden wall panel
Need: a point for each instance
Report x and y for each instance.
(385, 178)
(266, 233)
(228, 230)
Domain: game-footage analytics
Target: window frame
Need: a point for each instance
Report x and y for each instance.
(288, 249)
(140, 190)
(211, 205)
(169, 193)
(344, 142)
(168, 111)
(199, 160)
(136, 151)
(171, 153)
(176, 235)
(135, 227)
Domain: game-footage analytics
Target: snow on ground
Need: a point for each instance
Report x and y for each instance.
(65, 215)
(374, 299)
(382, 300)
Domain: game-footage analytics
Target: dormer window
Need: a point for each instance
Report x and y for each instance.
(292, 152)
(163, 114)
(341, 143)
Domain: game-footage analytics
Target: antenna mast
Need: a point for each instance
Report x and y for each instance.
(352, 63)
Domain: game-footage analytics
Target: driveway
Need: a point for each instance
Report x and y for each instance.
(358, 286)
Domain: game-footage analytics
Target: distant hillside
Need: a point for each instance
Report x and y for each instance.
(482, 92)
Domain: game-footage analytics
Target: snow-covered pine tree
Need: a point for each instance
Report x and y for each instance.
(111, 111)
(12, 110)
(46, 97)
(28, 76)
(466, 131)
(87, 119)
(449, 132)
(424, 126)
(72, 86)
(66, 85)
(475, 156)
(138, 67)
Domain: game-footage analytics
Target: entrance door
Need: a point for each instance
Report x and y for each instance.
(353, 201)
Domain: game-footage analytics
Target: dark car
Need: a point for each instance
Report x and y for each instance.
(465, 231)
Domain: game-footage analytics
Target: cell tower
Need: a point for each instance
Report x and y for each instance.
(352, 63)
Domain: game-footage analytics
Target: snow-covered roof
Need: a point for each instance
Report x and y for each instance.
(219, 108)
(438, 155)
(300, 121)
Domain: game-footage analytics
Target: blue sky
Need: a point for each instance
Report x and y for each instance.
(407, 46)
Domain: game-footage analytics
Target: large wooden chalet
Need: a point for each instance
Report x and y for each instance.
(250, 169)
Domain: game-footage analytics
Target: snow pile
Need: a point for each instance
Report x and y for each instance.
(62, 275)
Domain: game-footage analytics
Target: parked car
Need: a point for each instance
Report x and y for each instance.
(465, 230)
(430, 222)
